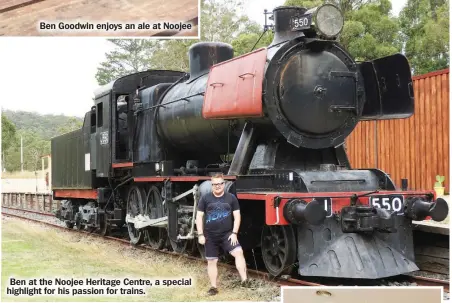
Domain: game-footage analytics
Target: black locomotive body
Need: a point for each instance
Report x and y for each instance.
(274, 122)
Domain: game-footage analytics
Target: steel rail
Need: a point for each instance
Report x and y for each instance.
(424, 281)
(45, 213)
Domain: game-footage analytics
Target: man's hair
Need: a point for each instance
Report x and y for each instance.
(217, 176)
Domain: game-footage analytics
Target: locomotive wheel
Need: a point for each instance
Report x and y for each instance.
(156, 237)
(279, 249)
(135, 200)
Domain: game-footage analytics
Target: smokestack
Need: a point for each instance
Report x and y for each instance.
(205, 54)
(281, 18)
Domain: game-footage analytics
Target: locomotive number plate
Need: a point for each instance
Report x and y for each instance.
(104, 138)
(300, 22)
(328, 204)
(393, 203)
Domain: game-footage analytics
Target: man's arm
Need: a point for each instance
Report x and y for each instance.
(237, 219)
(200, 216)
(199, 222)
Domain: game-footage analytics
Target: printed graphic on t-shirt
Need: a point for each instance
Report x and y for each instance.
(218, 212)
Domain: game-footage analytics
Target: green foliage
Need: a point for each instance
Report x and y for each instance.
(425, 28)
(304, 3)
(45, 126)
(36, 131)
(125, 59)
(8, 133)
(222, 21)
(71, 124)
(245, 41)
(439, 181)
(171, 55)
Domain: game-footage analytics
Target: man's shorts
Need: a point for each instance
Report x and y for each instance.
(213, 243)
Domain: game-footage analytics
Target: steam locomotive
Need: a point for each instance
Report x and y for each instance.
(274, 122)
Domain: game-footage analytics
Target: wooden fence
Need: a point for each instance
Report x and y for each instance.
(416, 148)
(41, 202)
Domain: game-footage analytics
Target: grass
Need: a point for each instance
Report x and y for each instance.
(32, 250)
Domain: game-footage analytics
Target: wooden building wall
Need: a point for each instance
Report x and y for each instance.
(416, 148)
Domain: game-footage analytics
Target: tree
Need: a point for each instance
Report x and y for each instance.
(245, 42)
(130, 56)
(70, 125)
(369, 30)
(222, 21)
(172, 55)
(425, 28)
(36, 131)
(8, 133)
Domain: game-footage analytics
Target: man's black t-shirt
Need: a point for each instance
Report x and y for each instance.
(218, 213)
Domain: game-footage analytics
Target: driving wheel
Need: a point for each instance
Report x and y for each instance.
(156, 237)
(279, 249)
(135, 200)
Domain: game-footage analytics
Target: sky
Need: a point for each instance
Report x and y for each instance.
(57, 75)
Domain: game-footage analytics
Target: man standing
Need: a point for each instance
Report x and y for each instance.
(222, 222)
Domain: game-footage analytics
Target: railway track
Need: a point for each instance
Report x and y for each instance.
(283, 281)
(253, 273)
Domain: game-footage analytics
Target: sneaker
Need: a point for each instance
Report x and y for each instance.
(212, 291)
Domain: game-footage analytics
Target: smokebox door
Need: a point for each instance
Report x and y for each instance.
(389, 88)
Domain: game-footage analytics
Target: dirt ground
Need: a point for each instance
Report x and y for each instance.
(26, 20)
(34, 251)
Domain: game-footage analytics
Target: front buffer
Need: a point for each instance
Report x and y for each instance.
(354, 235)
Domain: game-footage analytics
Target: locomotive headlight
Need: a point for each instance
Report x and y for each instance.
(328, 20)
